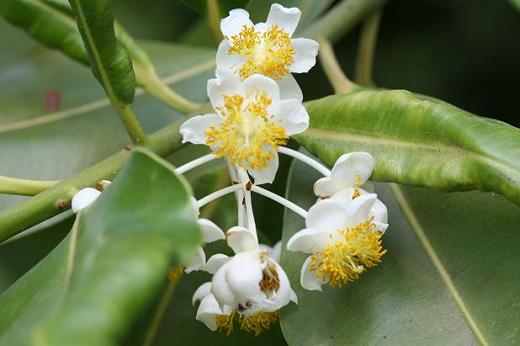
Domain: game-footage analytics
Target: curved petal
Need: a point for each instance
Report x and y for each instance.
(291, 115)
(285, 18)
(84, 198)
(227, 83)
(226, 61)
(294, 297)
(194, 129)
(359, 209)
(352, 169)
(215, 262)
(379, 212)
(308, 278)
(210, 231)
(327, 216)
(201, 292)
(289, 88)
(381, 226)
(196, 262)
(305, 52)
(208, 308)
(220, 287)
(240, 239)
(260, 83)
(273, 252)
(324, 187)
(285, 294)
(266, 175)
(308, 240)
(346, 195)
(232, 24)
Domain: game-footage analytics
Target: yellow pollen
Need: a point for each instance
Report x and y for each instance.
(357, 248)
(269, 53)
(256, 323)
(270, 282)
(247, 136)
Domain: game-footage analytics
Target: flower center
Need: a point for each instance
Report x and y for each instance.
(356, 249)
(269, 53)
(255, 323)
(270, 283)
(247, 136)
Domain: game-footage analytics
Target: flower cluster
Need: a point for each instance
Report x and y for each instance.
(257, 106)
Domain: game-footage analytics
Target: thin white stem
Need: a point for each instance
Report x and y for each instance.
(305, 159)
(244, 179)
(279, 199)
(239, 196)
(219, 193)
(195, 163)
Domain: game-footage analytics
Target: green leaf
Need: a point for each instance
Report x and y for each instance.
(417, 140)
(92, 286)
(109, 60)
(203, 7)
(449, 278)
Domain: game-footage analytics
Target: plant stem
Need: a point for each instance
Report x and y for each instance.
(24, 187)
(341, 19)
(250, 216)
(305, 159)
(340, 83)
(366, 49)
(195, 163)
(57, 198)
(214, 20)
(279, 199)
(219, 193)
(132, 124)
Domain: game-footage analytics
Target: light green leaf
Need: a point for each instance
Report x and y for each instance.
(449, 278)
(417, 140)
(92, 286)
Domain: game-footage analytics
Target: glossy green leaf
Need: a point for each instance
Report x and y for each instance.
(449, 278)
(417, 140)
(109, 60)
(203, 7)
(91, 287)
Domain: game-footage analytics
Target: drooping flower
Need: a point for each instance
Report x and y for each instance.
(349, 173)
(266, 48)
(250, 123)
(247, 289)
(343, 242)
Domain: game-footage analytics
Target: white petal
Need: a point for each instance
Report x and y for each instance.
(226, 61)
(266, 175)
(352, 169)
(327, 216)
(194, 129)
(207, 310)
(196, 262)
(359, 209)
(285, 294)
(291, 115)
(260, 83)
(201, 292)
(379, 212)
(227, 83)
(305, 54)
(308, 278)
(220, 287)
(215, 262)
(285, 18)
(84, 198)
(289, 88)
(324, 187)
(210, 231)
(232, 24)
(380, 226)
(240, 239)
(294, 297)
(194, 205)
(273, 252)
(309, 240)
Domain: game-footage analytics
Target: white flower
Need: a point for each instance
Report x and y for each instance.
(350, 172)
(250, 123)
(274, 251)
(84, 198)
(266, 48)
(342, 240)
(249, 287)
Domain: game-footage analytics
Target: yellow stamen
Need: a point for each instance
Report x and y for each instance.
(225, 322)
(247, 136)
(255, 323)
(270, 53)
(270, 282)
(357, 248)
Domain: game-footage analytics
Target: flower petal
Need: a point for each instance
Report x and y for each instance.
(240, 239)
(359, 209)
(201, 292)
(215, 262)
(352, 169)
(305, 54)
(289, 88)
(327, 216)
(324, 187)
(309, 240)
(84, 198)
(226, 83)
(285, 18)
(232, 24)
(226, 61)
(196, 262)
(379, 212)
(308, 278)
(273, 252)
(260, 83)
(208, 308)
(285, 294)
(291, 115)
(266, 175)
(380, 226)
(210, 231)
(194, 129)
